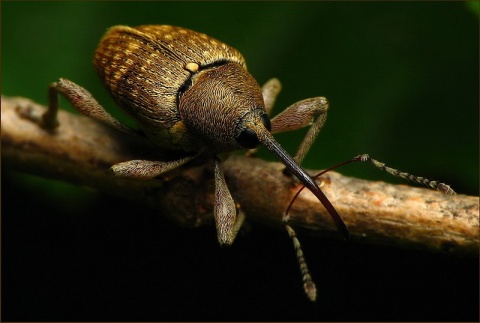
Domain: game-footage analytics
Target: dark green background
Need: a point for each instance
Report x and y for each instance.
(402, 81)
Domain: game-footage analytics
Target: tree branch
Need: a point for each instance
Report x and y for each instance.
(81, 151)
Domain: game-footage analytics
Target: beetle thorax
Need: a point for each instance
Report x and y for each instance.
(218, 103)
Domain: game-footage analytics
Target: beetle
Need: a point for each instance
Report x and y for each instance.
(191, 93)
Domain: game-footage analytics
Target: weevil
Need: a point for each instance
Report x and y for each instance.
(191, 93)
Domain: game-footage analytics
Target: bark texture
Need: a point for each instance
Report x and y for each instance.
(82, 150)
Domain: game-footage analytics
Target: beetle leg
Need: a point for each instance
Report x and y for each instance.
(146, 169)
(270, 92)
(225, 211)
(309, 112)
(81, 100)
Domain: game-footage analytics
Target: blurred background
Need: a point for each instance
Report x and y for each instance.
(402, 81)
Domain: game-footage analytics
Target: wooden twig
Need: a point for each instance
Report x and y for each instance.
(81, 151)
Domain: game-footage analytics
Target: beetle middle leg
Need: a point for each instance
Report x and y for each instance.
(147, 169)
(84, 102)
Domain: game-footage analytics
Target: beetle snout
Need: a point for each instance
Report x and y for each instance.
(253, 130)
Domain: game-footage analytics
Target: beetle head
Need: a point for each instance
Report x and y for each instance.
(222, 107)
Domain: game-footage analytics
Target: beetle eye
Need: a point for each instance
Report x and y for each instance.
(266, 122)
(248, 139)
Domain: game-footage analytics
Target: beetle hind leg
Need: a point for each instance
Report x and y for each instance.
(81, 100)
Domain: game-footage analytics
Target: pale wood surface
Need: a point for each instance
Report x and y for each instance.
(81, 151)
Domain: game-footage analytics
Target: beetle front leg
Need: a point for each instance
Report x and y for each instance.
(309, 112)
(227, 221)
(270, 92)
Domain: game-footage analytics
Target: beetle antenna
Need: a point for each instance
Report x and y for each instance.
(354, 159)
(309, 182)
(442, 187)
(266, 139)
(308, 283)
